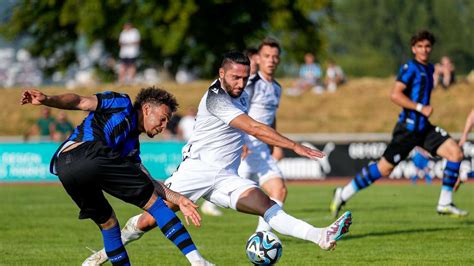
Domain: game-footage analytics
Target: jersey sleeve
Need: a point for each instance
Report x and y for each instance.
(110, 101)
(405, 74)
(219, 104)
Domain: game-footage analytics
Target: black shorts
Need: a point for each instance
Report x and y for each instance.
(403, 141)
(92, 168)
(129, 61)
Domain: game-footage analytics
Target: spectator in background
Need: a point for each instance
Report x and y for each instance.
(186, 124)
(129, 42)
(309, 77)
(334, 76)
(444, 73)
(63, 127)
(252, 54)
(44, 126)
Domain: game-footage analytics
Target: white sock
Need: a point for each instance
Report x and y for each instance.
(288, 225)
(348, 191)
(130, 231)
(194, 256)
(264, 226)
(446, 197)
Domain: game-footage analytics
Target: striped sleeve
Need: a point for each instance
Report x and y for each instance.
(110, 102)
(405, 74)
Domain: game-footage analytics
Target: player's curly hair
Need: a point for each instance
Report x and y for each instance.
(423, 35)
(157, 96)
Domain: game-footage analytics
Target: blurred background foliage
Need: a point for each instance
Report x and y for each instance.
(366, 37)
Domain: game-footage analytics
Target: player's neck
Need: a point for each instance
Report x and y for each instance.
(266, 77)
(140, 126)
(423, 62)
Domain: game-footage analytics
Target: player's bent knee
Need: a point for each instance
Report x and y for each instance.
(111, 222)
(454, 154)
(146, 222)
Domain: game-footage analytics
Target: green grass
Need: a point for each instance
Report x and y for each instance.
(392, 224)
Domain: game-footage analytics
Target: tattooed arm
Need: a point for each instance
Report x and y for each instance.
(185, 205)
(162, 190)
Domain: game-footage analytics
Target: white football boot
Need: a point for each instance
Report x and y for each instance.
(335, 231)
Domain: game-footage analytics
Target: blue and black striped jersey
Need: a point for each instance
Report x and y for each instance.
(114, 123)
(418, 79)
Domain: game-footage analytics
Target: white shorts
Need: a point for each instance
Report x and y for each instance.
(259, 165)
(195, 179)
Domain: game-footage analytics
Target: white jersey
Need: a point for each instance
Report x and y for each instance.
(213, 141)
(129, 43)
(264, 99)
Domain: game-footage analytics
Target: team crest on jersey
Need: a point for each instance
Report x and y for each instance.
(405, 66)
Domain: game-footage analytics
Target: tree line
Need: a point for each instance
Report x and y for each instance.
(366, 37)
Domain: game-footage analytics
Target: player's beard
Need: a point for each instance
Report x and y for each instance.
(229, 90)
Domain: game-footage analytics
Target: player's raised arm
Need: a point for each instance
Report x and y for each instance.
(271, 136)
(398, 97)
(68, 101)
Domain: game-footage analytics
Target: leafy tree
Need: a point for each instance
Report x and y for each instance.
(373, 37)
(192, 33)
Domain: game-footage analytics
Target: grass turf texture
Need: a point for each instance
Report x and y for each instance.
(392, 224)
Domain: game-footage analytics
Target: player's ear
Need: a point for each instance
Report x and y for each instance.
(146, 108)
(413, 49)
(221, 73)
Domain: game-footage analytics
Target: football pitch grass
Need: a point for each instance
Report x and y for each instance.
(393, 224)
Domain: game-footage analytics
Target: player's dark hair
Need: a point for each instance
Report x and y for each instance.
(236, 58)
(421, 36)
(250, 51)
(157, 96)
(268, 41)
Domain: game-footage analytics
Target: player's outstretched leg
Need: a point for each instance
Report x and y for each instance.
(254, 201)
(445, 203)
(365, 178)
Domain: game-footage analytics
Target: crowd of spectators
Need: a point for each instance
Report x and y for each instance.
(311, 78)
(49, 128)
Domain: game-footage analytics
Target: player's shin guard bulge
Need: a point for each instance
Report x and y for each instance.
(171, 226)
(365, 178)
(113, 246)
(130, 233)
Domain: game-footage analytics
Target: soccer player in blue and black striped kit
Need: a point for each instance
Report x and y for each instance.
(102, 154)
(412, 92)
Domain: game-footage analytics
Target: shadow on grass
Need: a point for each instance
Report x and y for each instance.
(397, 232)
(353, 210)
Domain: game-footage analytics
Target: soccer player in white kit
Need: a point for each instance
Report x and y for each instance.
(264, 98)
(212, 156)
